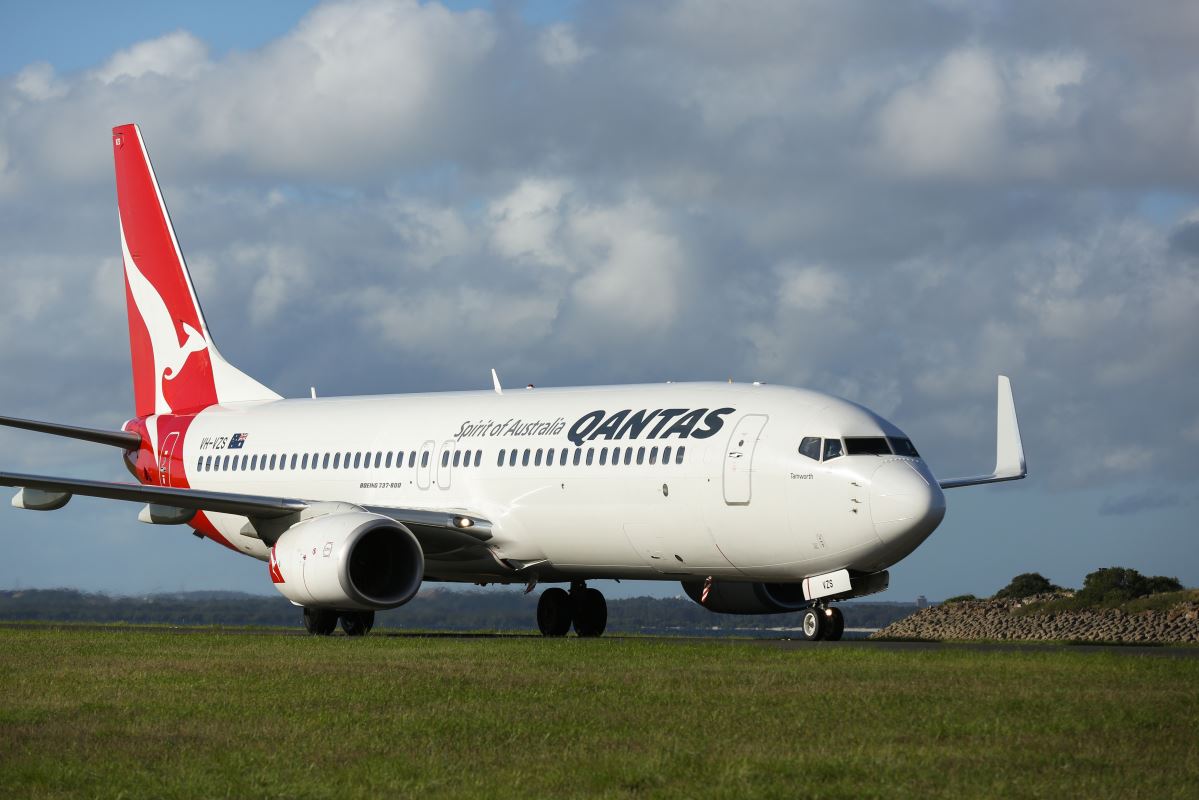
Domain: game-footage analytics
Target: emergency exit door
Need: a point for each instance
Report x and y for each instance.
(739, 459)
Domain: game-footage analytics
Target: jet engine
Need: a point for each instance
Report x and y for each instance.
(738, 597)
(350, 561)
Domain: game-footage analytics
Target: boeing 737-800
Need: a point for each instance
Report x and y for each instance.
(758, 499)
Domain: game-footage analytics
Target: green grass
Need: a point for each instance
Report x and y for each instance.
(1162, 601)
(136, 713)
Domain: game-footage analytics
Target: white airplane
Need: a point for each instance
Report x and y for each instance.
(758, 499)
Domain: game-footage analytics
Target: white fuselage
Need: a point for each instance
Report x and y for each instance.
(742, 503)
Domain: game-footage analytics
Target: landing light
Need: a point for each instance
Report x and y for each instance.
(463, 522)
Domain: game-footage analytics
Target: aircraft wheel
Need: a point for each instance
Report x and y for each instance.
(814, 625)
(319, 621)
(836, 624)
(553, 612)
(590, 612)
(357, 623)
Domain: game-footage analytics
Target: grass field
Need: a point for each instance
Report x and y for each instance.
(135, 713)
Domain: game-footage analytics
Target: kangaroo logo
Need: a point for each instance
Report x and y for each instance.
(169, 355)
(276, 575)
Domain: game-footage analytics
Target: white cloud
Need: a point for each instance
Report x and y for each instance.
(526, 222)
(813, 288)
(176, 55)
(947, 124)
(558, 46)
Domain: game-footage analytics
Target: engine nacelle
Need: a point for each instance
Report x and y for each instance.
(348, 561)
(741, 597)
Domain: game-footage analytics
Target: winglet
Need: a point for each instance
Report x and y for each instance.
(1010, 464)
(495, 380)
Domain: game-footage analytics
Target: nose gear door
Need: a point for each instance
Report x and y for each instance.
(739, 459)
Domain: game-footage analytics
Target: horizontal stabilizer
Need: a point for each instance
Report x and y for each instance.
(123, 439)
(1009, 449)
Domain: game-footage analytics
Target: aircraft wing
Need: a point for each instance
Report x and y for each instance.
(437, 530)
(1010, 464)
(248, 505)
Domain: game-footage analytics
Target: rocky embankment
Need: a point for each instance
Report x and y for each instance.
(1002, 619)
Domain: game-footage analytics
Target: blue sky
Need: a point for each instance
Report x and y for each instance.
(891, 203)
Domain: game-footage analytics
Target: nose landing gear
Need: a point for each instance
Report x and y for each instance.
(584, 608)
(823, 622)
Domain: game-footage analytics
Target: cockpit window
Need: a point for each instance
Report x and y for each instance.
(903, 447)
(810, 446)
(867, 446)
(832, 449)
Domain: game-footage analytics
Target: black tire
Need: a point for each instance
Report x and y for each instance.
(553, 612)
(319, 621)
(814, 624)
(836, 625)
(590, 613)
(358, 623)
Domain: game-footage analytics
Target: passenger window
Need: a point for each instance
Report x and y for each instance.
(590, 455)
(810, 446)
(225, 468)
(666, 455)
(832, 449)
(412, 459)
(272, 463)
(603, 456)
(387, 461)
(537, 458)
(357, 459)
(457, 457)
(499, 462)
(615, 456)
(244, 461)
(478, 457)
(337, 461)
(678, 455)
(325, 462)
(234, 464)
(640, 455)
(379, 458)
(628, 456)
(254, 461)
(304, 462)
(466, 458)
(524, 460)
(200, 464)
(512, 457)
(578, 456)
(549, 457)
(445, 458)
(562, 458)
(653, 455)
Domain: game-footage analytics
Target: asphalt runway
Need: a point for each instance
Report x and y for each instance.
(782, 642)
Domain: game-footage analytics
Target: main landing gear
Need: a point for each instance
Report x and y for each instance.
(323, 621)
(823, 622)
(584, 608)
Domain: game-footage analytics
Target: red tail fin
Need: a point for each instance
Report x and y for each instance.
(176, 367)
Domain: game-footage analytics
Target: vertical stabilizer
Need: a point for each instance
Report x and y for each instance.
(176, 367)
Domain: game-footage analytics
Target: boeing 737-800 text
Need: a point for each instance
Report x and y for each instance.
(758, 499)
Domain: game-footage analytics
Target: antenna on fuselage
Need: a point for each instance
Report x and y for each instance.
(312, 390)
(495, 380)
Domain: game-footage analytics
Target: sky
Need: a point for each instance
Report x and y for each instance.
(889, 202)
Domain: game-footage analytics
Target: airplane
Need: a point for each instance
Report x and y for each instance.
(758, 499)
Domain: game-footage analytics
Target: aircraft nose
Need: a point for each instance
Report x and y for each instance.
(904, 502)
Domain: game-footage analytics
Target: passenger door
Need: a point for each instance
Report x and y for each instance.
(164, 458)
(739, 459)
